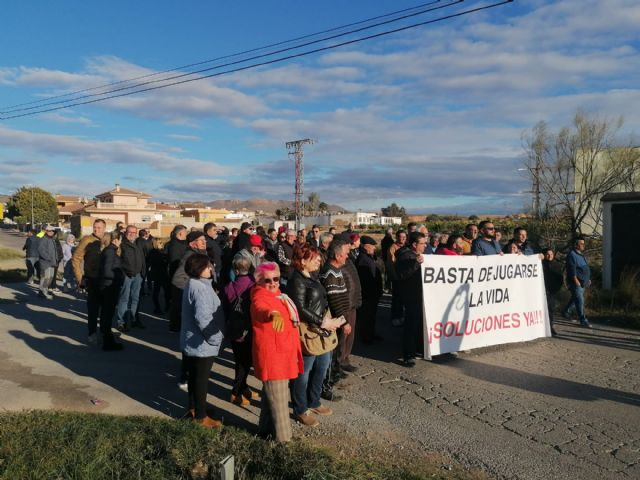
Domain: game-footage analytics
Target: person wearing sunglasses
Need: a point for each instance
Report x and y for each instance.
(243, 238)
(277, 353)
(201, 334)
(486, 243)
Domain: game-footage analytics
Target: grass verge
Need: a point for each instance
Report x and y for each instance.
(10, 253)
(49, 444)
(13, 275)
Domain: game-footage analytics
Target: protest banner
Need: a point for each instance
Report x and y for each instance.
(472, 302)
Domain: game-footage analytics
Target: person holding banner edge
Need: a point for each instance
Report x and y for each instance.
(408, 271)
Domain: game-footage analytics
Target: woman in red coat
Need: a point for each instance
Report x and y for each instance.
(277, 355)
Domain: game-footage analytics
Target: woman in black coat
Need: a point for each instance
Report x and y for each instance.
(310, 299)
(111, 278)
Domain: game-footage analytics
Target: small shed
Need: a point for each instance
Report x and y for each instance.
(621, 234)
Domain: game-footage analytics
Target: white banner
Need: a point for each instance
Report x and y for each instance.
(472, 302)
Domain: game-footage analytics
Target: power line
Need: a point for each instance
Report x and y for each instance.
(68, 94)
(45, 103)
(268, 62)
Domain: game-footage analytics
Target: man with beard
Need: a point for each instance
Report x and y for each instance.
(470, 234)
(486, 243)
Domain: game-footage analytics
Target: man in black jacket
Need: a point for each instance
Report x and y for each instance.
(213, 248)
(553, 282)
(133, 267)
(31, 251)
(371, 285)
(408, 270)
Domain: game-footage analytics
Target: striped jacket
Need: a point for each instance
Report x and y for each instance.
(336, 287)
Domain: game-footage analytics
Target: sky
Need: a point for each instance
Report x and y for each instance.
(431, 118)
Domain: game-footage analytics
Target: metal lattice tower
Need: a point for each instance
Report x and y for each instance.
(295, 151)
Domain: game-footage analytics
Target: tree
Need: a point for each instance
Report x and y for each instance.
(394, 210)
(313, 201)
(572, 169)
(323, 207)
(34, 202)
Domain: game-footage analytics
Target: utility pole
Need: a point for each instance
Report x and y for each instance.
(295, 151)
(32, 227)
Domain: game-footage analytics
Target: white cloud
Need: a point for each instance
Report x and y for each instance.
(83, 150)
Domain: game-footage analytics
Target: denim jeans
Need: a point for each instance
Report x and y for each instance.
(305, 390)
(576, 301)
(129, 297)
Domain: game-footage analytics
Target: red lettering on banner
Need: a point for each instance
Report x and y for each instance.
(450, 331)
(515, 318)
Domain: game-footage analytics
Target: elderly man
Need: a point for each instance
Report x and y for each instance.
(86, 268)
(133, 264)
(470, 234)
(325, 242)
(371, 284)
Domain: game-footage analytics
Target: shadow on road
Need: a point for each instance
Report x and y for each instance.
(144, 371)
(541, 383)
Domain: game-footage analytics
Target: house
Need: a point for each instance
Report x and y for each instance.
(67, 206)
(204, 215)
(123, 205)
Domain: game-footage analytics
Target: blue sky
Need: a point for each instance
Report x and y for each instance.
(430, 118)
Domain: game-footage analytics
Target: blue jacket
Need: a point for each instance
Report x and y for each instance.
(203, 320)
(481, 247)
(577, 266)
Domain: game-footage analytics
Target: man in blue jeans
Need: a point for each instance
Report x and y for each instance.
(578, 279)
(133, 266)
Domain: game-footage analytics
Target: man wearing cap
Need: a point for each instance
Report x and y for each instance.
(196, 243)
(133, 264)
(255, 253)
(371, 285)
(48, 258)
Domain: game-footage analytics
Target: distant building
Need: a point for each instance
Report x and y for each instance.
(357, 218)
(204, 215)
(68, 205)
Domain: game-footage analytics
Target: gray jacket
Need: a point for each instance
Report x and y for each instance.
(48, 252)
(203, 320)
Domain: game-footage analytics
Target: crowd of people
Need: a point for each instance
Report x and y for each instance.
(290, 304)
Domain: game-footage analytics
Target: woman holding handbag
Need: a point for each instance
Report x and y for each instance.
(310, 299)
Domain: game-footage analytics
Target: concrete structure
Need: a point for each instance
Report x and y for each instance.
(357, 218)
(621, 230)
(594, 165)
(204, 215)
(68, 205)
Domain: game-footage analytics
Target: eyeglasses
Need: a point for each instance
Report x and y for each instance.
(271, 280)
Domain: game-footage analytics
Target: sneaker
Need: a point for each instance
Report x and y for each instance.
(330, 396)
(122, 327)
(208, 422)
(409, 362)
(307, 419)
(92, 339)
(56, 290)
(48, 296)
(322, 410)
(349, 368)
(239, 400)
(184, 386)
(397, 322)
(586, 324)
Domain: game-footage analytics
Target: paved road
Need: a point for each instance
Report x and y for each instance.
(11, 239)
(562, 408)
